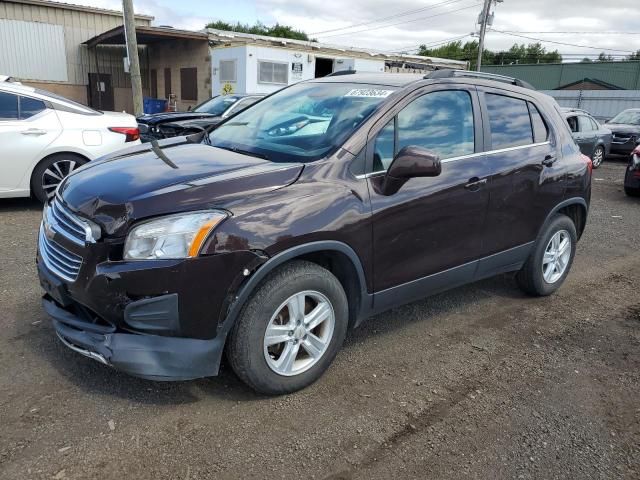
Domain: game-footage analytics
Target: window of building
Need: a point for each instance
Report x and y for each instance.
(540, 130)
(189, 84)
(8, 106)
(228, 70)
(273, 72)
(439, 121)
(509, 121)
(30, 107)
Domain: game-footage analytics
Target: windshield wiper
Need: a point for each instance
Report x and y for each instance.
(244, 152)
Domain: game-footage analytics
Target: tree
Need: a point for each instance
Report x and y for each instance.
(634, 56)
(277, 30)
(603, 57)
(518, 53)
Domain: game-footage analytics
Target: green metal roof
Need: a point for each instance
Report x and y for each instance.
(549, 76)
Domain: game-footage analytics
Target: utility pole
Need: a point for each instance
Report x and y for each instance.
(132, 55)
(484, 17)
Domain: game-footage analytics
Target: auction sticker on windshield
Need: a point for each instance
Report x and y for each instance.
(368, 92)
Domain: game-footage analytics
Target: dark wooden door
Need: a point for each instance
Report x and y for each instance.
(101, 91)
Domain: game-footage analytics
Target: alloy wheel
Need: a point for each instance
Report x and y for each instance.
(598, 156)
(299, 333)
(556, 256)
(55, 173)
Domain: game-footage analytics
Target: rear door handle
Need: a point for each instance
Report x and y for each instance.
(34, 131)
(549, 160)
(474, 183)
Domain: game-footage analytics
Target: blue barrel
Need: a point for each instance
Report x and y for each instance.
(153, 105)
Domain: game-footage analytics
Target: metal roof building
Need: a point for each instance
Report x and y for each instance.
(551, 76)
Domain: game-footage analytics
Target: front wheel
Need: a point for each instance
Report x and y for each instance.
(598, 156)
(551, 259)
(51, 171)
(632, 192)
(290, 330)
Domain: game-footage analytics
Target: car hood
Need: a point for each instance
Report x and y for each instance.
(623, 128)
(157, 118)
(172, 177)
(197, 122)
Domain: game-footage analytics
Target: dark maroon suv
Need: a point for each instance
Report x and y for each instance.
(319, 206)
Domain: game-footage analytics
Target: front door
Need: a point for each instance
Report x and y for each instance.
(27, 127)
(431, 224)
(101, 92)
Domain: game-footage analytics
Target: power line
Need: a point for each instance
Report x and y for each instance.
(561, 43)
(430, 44)
(577, 33)
(401, 14)
(400, 23)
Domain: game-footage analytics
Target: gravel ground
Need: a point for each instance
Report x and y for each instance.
(480, 382)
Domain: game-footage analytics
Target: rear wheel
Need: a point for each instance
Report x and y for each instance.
(290, 330)
(551, 259)
(51, 171)
(598, 156)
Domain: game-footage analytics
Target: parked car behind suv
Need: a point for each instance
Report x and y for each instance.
(44, 137)
(281, 230)
(204, 116)
(632, 174)
(593, 139)
(626, 131)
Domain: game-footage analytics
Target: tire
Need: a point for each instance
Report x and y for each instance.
(50, 171)
(598, 156)
(632, 192)
(266, 369)
(535, 278)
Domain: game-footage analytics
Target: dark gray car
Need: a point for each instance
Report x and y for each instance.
(593, 139)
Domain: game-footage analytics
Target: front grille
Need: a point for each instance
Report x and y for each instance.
(63, 221)
(58, 259)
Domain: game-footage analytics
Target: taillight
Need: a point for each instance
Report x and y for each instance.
(588, 161)
(132, 133)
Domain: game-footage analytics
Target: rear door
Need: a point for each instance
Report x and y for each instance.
(526, 179)
(431, 224)
(27, 127)
(588, 135)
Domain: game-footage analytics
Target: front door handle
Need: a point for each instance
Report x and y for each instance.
(34, 131)
(549, 160)
(474, 183)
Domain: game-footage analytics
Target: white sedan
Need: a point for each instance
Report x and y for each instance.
(44, 137)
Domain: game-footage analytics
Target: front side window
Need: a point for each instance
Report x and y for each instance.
(8, 106)
(384, 147)
(594, 123)
(573, 124)
(509, 121)
(273, 72)
(30, 107)
(302, 123)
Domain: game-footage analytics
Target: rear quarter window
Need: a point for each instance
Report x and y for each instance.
(540, 129)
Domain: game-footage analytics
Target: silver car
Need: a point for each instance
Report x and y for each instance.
(593, 139)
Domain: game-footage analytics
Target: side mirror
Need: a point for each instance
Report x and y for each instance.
(411, 161)
(143, 128)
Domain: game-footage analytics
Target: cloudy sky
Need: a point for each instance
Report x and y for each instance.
(402, 25)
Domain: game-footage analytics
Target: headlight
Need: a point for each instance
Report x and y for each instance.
(173, 236)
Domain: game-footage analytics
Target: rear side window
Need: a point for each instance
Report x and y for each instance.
(8, 106)
(540, 129)
(30, 107)
(509, 121)
(584, 124)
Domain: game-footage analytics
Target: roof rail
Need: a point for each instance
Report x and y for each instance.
(450, 73)
(340, 72)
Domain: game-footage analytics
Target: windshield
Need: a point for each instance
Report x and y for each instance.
(301, 123)
(630, 117)
(216, 106)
